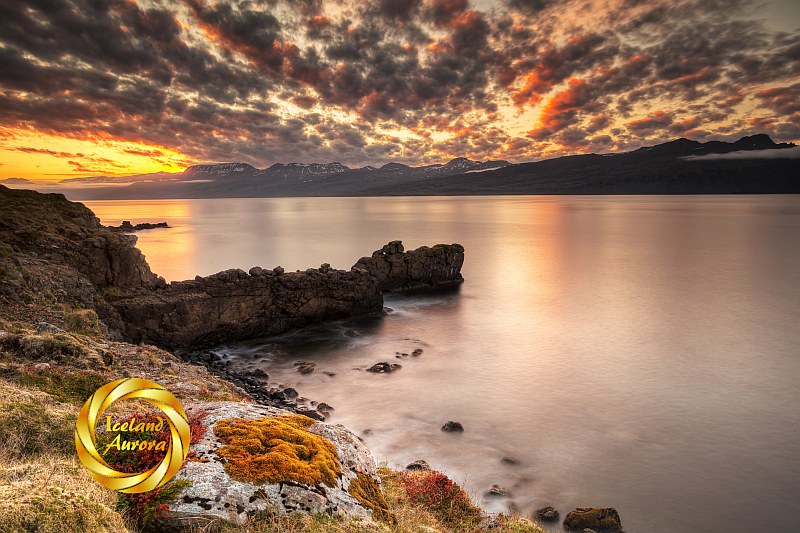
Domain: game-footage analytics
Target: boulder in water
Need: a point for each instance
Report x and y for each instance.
(596, 518)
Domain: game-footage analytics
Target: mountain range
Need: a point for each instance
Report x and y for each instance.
(753, 164)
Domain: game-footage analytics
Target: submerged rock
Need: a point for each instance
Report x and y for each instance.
(600, 519)
(305, 367)
(335, 474)
(498, 491)
(547, 514)
(452, 427)
(383, 368)
(509, 460)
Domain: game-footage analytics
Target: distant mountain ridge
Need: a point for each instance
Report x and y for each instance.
(681, 166)
(319, 170)
(687, 147)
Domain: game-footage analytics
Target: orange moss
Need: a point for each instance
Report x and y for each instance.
(271, 450)
(367, 491)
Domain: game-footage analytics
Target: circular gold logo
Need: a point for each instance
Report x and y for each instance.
(126, 389)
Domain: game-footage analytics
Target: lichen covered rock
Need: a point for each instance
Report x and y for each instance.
(260, 459)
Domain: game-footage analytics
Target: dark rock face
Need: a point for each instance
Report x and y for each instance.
(50, 228)
(547, 514)
(452, 427)
(598, 519)
(234, 305)
(424, 267)
(56, 251)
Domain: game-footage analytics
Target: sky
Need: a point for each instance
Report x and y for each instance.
(121, 87)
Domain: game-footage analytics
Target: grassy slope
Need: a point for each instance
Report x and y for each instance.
(43, 486)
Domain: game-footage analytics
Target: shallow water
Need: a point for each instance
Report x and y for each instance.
(635, 352)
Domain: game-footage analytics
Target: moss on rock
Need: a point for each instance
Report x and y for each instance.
(272, 450)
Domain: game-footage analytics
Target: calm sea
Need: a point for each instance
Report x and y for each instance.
(635, 352)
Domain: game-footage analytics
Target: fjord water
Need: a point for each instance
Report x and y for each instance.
(635, 352)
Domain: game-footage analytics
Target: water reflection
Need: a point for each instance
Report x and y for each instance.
(638, 352)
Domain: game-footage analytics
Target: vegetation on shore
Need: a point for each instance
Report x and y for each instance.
(43, 487)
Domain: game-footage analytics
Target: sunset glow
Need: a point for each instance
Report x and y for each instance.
(121, 88)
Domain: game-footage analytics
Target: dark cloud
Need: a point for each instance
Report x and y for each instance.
(444, 12)
(648, 125)
(530, 6)
(398, 9)
(782, 100)
(211, 79)
(145, 153)
(54, 153)
(254, 33)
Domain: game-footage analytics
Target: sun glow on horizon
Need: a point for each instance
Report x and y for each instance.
(48, 158)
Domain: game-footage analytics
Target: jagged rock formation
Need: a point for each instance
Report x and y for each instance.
(215, 494)
(47, 227)
(424, 267)
(235, 305)
(56, 250)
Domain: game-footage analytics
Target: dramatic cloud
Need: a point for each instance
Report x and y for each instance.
(169, 83)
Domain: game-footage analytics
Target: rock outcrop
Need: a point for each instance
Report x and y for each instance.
(224, 486)
(49, 228)
(127, 226)
(56, 251)
(425, 267)
(234, 305)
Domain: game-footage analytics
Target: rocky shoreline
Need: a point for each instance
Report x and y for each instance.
(76, 299)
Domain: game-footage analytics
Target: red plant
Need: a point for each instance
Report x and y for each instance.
(146, 506)
(439, 494)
